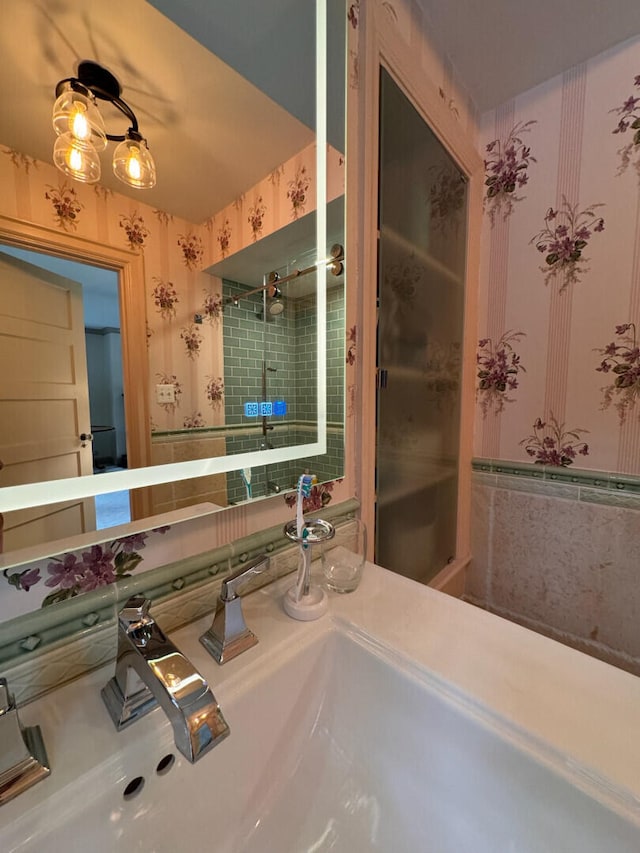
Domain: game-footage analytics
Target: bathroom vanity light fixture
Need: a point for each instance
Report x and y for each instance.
(82, 134)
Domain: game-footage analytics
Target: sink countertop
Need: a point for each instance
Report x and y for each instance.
(584, 711)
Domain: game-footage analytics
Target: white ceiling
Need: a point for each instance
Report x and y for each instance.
(212, 131)
(501, 48)
(213, 134)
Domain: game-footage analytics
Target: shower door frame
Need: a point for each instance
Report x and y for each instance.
(383, 48)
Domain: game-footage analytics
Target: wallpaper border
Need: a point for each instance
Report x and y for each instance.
(609, 488)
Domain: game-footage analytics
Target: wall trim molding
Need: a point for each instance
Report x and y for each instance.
(45, 649)
(610, 488)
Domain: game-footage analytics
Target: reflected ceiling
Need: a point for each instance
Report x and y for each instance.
(187, 100)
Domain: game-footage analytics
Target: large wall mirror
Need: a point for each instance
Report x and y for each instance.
(171, 346)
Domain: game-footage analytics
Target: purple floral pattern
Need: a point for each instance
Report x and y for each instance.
(622, 361)
(20, 160)
(551, 444)
(193, 421)
(73, 573)
(446, 198)
(498, 369)
(441, 373)
(563, 239)
(319, 497)
(165, 298)
(274, 177)
(402, 278)
(351, 346)
(66, 205)
(192, 251)
(629, 113)
(192, 340)
(506, 170)
(256, 218)
(163, 217)
(212, 307)
(135, 230)
(215, 391)
(297, 192)
(224, 238)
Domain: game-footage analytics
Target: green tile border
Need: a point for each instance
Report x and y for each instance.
(35, 632)
(607, 488)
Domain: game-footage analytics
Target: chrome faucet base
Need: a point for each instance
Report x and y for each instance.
(126, 710)
(23, 757)
(151, 672)
(224, 651)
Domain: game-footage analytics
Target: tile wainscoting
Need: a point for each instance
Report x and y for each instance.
(558, 551)
(49, 647)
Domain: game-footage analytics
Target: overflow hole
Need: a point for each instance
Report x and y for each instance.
(165, 764)
(133, 788)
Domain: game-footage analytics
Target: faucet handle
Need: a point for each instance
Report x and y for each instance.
(135, 614)
(23, 757)
(228, 635)
(229, 588)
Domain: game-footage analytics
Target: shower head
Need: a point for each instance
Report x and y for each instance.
(275, 305)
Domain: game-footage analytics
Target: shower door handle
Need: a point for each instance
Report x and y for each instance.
(383, 377)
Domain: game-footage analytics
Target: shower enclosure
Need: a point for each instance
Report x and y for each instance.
(270, 365)
(422, 226)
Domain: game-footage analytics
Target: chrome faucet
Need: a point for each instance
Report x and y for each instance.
(23, 758)
(228, 635)
(151, 671)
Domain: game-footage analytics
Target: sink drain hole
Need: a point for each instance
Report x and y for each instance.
(165, 764)
(133, 788)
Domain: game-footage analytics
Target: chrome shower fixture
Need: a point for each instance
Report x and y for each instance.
(275, 305)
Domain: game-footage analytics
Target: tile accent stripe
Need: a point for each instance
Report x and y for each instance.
(574, 84)
(498, 279)
(611, 488)
(629, 443)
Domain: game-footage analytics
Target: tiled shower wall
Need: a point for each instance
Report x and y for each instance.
(289, 341)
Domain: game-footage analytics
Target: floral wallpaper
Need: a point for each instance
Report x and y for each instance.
(560, 271)
(184, 304)
(70, 574)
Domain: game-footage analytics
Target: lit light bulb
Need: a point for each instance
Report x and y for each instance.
(134, 169)
(78, 124)
(75, 159)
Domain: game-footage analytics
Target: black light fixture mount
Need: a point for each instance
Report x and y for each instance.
(81, 131)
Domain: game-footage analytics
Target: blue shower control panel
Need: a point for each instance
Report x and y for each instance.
(265, 409)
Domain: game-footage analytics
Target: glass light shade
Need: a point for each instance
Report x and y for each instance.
(78, 160)
(133, 164)
(76, 113)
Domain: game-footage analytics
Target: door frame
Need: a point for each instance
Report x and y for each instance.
(382, 44)
(129, 267)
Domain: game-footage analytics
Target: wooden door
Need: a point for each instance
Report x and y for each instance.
(44, 398)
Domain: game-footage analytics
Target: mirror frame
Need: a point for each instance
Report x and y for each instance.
(130, 268)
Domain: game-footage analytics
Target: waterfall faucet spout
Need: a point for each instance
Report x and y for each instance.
(151, 671)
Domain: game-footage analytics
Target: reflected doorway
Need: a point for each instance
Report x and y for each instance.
(103, 353)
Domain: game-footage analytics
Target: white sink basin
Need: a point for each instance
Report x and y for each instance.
(338, 743)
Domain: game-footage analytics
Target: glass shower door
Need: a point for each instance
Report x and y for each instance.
(422, 226)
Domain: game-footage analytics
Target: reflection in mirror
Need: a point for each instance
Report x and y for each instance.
(244, 183)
